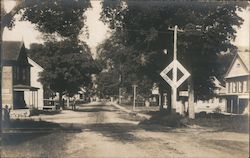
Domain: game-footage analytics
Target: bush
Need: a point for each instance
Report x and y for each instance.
(166, 119)
(217, 110)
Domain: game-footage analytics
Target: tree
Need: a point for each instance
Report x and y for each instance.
(108, 83)
(209, 29)
(68, 65)
(63, 17)
(127, 63)
(58, 18)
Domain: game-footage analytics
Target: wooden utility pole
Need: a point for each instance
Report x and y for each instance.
(120, 84)
(134, 86)
(174, 89)
(190, 82)
(174, 74)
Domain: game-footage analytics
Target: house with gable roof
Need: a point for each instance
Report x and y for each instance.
(238, 84)
(20, 88)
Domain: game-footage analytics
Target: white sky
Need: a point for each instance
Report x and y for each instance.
(97, 30)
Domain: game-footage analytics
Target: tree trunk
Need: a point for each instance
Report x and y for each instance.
(60, 101)
(5, 20)
(191, 112)
(160, 100)
(68, 101)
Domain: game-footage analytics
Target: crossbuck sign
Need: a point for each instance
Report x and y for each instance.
(174, 65)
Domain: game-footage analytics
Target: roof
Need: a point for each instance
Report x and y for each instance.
(215, 82)
(34, 64)
(11, 50)
(21, 87)
(244, 58)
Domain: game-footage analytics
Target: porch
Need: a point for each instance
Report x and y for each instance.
(25, 99)
(237, 104)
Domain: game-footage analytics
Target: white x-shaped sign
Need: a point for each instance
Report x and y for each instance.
(175, 65)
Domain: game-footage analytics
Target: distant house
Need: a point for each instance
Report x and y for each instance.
(237, 83)
(17, 77)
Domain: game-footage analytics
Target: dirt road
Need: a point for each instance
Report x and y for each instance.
(98, 130)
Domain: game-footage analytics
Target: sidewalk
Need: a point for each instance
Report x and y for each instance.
(129, 111)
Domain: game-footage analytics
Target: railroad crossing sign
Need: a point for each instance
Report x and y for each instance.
(174, 65)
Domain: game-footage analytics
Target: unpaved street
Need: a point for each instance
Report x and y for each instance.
(98, 130)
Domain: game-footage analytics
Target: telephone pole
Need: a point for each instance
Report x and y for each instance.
(134, 86)
(190, 82)
(174, 74)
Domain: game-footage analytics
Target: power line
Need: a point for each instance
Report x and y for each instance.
(137, 30)
(163, 32)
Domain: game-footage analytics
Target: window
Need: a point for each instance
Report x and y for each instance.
(220, 100)
(228, 87)
(14, 73)
(81, 96)
(17, 73)
(231, 87)
(248, 86)
(240, 87)
(24, 74)
(245, 88)
(234, 87)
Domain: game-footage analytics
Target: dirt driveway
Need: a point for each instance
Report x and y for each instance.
(98, 130)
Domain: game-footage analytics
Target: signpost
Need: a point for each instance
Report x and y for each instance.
(174, 66)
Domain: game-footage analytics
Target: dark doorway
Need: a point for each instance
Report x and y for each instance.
(19, 102)
(242, 105)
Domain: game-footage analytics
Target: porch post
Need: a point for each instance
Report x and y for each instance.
(37, 98)
(29, 98)
(33, 98)
(238, 105)
(231, 106)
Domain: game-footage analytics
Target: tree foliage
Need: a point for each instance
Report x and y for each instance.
(125, 62)
(67, 65)
(62, 17)
(108, 83)
(142, 30)
(67, 62)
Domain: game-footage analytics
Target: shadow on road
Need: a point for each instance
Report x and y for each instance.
(122, 132)
(116, 131)
(93, 105)
(95, 110)
(49, 112)
(19, 131)
(234, 123)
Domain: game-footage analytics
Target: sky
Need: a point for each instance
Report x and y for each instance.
(24, 30)
(98, 32)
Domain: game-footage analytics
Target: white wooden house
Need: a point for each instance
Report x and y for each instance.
(34, 82)
(16, 76)
(237, 84)
(20, 87)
